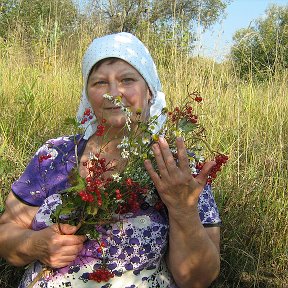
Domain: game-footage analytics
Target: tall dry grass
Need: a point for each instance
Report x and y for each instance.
(247, 120)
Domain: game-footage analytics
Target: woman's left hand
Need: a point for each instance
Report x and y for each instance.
(176, 186)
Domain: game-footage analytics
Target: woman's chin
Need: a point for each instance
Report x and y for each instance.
(117, 123)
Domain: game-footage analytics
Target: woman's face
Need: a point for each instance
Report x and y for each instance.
(117, 78)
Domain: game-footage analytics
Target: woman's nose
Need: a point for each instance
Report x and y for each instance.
(114, 89)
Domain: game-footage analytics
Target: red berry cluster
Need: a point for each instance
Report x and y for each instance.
(220, 160)
(118, 194)
(101, 128)
(198, 99)
(133, 201)
(187, 113)
(95, 180)
(132, 192)
(87, 197)
(86, 116)
(159, 205)
(100, 248)
(102, 274)
(196, 96)
(44, 157)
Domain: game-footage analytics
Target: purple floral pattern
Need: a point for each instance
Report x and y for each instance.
(135, 243)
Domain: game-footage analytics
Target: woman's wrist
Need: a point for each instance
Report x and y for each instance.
(184, 214)
(27, 249)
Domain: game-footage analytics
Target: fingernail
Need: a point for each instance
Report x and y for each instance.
(161, 139)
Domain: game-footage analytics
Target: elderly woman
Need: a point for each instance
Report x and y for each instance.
(177, 246)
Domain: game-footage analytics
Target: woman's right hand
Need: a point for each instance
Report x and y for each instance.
(57, 246)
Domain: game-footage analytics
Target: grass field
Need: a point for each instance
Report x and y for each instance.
(245, 119)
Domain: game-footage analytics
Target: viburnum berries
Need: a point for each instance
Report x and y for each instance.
(196, 96)
(198, 99)
(87, 197)
(118, 194)
(101, 274)
(100, 129)
(176, 115)
(220, 160)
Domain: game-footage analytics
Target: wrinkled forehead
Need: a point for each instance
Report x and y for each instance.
(115, 64)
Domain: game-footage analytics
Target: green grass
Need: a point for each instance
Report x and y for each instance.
(246, 120)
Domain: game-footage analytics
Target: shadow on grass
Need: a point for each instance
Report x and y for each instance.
(9, 276)
(246, 280)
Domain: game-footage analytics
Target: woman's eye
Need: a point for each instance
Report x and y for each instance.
(127, 80)
(100, 83)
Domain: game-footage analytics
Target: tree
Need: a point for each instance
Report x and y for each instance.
(36, 17)
(262, 49)
(129, 15)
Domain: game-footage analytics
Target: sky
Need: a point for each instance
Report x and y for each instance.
(216, 42)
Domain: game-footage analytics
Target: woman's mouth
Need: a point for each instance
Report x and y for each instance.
(113, 108)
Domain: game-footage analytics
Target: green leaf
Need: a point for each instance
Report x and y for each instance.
(92, 210)
(187, 126)
(77, 182)
(67, 210)
(71, 121)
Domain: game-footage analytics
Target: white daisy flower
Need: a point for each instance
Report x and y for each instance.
(92, 156)
(193, 169)
(145, 140)
(135, 151)
(124, 143)
(201, 158)
(107, 96)
(116, 177)
(125, 154)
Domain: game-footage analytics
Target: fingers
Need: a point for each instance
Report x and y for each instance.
(152, 173)
(68, 251)
(161, 161)
(62, 257)
(64, 229)
(183, 160)
(69, 240)
(57, 250)
(166, 163)
(164, 157)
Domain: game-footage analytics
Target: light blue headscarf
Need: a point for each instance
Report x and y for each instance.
(129, 48)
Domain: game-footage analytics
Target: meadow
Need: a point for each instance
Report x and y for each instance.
(40, 85)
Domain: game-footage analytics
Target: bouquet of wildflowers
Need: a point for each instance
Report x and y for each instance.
(98, 200)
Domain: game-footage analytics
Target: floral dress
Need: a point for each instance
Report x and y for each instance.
(132, 247)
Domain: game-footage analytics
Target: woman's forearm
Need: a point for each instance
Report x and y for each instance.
(16, 245)
(193, 257)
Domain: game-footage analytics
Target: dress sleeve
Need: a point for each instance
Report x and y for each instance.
(207, 207)
(30, 187)
(47, 172)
